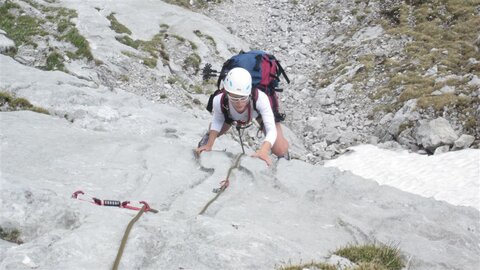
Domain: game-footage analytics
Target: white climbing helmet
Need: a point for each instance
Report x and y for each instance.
(238, 82)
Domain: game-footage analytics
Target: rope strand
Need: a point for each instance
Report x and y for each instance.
(125, 237)
(224, 184)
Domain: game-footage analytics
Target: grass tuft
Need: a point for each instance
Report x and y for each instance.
(193, 61)
(11, 103)
(128, 41)
(10, 235)
(312, 265)
(210, 39)
(370, 255)
(150, 62)
(116, 26)
(446, 100)
(83, 48)
(21, 29)
(366, 257)
(55, 62)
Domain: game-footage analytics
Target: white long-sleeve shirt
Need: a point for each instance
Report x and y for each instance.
(263, 107)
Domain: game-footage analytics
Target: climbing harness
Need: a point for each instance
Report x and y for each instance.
(240, 125)
(125, 204)
(223, 184)
(125, 235)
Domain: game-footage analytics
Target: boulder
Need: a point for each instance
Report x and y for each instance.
(405, 138)
(405, 114)
(463, 142)
(434, 133)
(6, 44)
(332, 135)
(441, 149)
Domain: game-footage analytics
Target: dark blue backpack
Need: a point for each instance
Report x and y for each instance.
(265, 70)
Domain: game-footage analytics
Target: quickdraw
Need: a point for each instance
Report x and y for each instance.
(125, 204)
(223, 185)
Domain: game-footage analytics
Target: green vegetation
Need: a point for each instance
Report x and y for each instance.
(445, 100)
(150, 62)
(155, 48)
(195, 3)
(366, 257)
(335, 17)
(83, 48)
(323, 79)
(55, 61)
(63, 24)
(179, 38)
(311, 265)
(441, 49)
(173, 79)
(182, 3)
(207, 37)
(116, 26)
(20, 28)
(27, 30)
(10, 235)
(62, 12)
(381, 256)
(198, 89)
(193, 60)
(443, 33)
(12, 103)
(128, 41)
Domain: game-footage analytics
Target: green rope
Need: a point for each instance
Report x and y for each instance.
(125, 237)
(222, 188)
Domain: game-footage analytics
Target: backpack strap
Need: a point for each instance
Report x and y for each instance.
(279, 117)
(258, 61)
(225, 108)
(226, 112)
(282, 71)
(280, 68)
